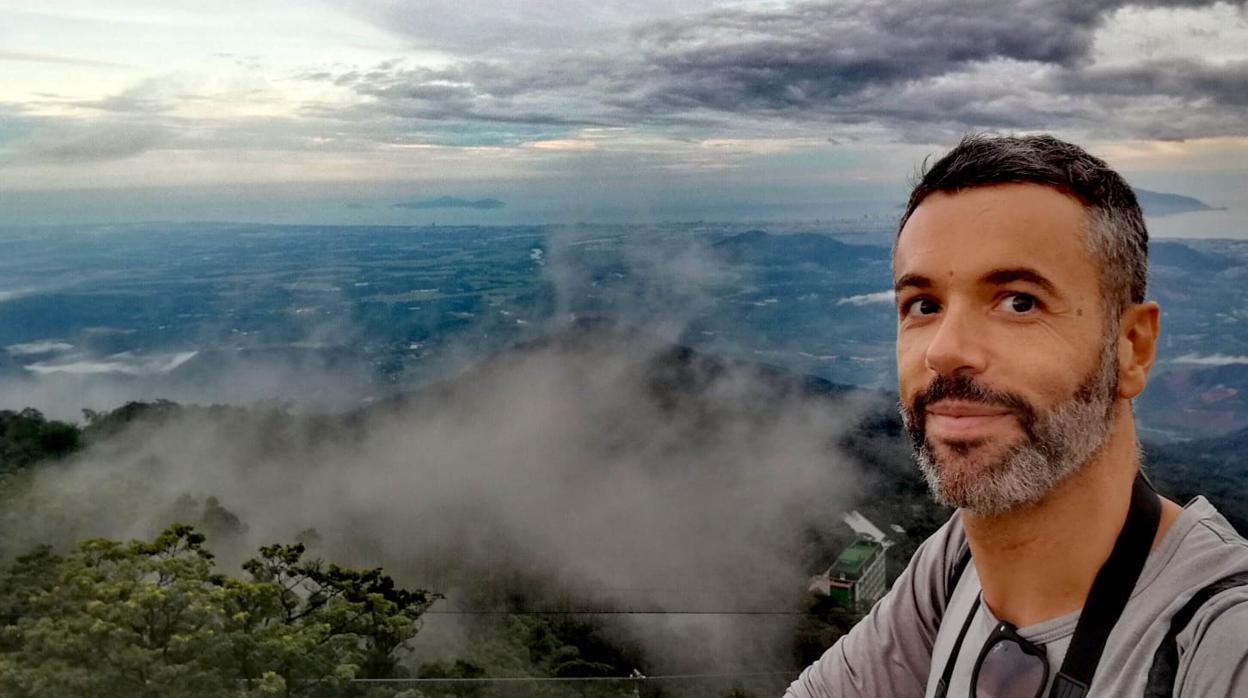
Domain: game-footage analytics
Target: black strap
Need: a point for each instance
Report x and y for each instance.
(1165, 667)
(942, 686)
(1110, 591)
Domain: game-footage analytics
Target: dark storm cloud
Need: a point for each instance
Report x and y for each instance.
(920, 69)
(1226, 84)
(849, 61)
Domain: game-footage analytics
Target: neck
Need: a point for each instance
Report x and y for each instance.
(1038, 563)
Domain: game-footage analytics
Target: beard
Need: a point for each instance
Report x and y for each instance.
(1056, 442)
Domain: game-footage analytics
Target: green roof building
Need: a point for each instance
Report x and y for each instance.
(856, 579)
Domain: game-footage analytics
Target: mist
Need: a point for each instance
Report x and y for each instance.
(603, 458)
(581, 459)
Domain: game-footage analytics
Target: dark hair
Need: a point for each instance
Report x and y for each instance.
(1115, 233)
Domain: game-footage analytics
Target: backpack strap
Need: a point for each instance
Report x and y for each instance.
(1162, 674)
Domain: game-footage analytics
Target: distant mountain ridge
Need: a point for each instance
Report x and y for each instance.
(1200, 400)
(1156, 203)
(763, 248)
(669, 371)
(451, 202)
(1174, 254)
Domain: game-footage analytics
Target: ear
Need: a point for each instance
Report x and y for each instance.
(1137, 347)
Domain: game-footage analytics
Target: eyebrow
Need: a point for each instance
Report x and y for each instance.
(996, 277)
(911, 281)
(1001, 277)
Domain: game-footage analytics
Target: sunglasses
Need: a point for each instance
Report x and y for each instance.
(1009, 665)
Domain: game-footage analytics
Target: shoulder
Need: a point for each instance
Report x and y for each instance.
(1212, 562)
(1201, 547)
(1211, 534)
(1216, 659)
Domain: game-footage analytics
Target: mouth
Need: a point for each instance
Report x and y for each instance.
(964, 420)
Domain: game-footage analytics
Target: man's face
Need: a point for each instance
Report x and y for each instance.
(1006, 366)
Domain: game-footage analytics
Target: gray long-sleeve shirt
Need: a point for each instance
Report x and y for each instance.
(901, 647)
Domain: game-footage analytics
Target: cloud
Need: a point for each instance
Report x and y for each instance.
(12, 294)
(572, 459)
(57, 60)
(313, 378)
(922, 71)
(49, 346)
(868, 298)
(125, 364)
(1211, 360)
(73, 140)
(152, 96)
(530, 84)
(451, 202)
(1225, 83)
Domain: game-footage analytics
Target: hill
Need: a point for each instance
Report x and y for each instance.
(762, 248)
(1157, 203)
(1197, 400)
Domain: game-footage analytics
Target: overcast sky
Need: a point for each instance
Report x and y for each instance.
(335, 110)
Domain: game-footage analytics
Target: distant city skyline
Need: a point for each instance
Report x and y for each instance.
(563, 110)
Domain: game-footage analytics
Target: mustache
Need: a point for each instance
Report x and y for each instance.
(965, 389)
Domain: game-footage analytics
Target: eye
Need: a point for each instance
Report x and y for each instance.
(1019, 303)
(920, 306)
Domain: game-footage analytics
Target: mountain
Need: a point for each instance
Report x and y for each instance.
(1214, 468)
(1157, 203)
(1187, 258)
(451, 202)
(760, 248)
(1201, 401)
(672, 376)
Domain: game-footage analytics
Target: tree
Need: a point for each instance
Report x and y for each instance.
(121, 619)
(154, 619)
(27, 437)
(365, 617)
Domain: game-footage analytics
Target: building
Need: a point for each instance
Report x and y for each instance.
(857, 578)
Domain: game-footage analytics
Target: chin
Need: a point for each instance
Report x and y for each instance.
(987, 481)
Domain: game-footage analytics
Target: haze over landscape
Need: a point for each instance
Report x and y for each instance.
(579, 315)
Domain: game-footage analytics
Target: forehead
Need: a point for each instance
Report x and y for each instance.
(968, 233)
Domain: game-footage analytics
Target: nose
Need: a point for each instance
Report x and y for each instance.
(957, 345)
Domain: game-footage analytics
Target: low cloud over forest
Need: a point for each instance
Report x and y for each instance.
(625, 471)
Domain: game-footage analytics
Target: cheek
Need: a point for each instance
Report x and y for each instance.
(1045, 378)
(911, 364)
(912, 346)
(1056, 362)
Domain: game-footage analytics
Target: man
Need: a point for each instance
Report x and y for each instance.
(1022, 336)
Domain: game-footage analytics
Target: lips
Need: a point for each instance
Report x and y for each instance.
(964, 419)
(956, 408)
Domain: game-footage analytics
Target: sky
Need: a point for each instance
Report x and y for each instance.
(384, 111)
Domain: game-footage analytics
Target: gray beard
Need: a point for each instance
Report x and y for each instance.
(1057, 442)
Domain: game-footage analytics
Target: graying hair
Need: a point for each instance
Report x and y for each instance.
(1115, 235)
